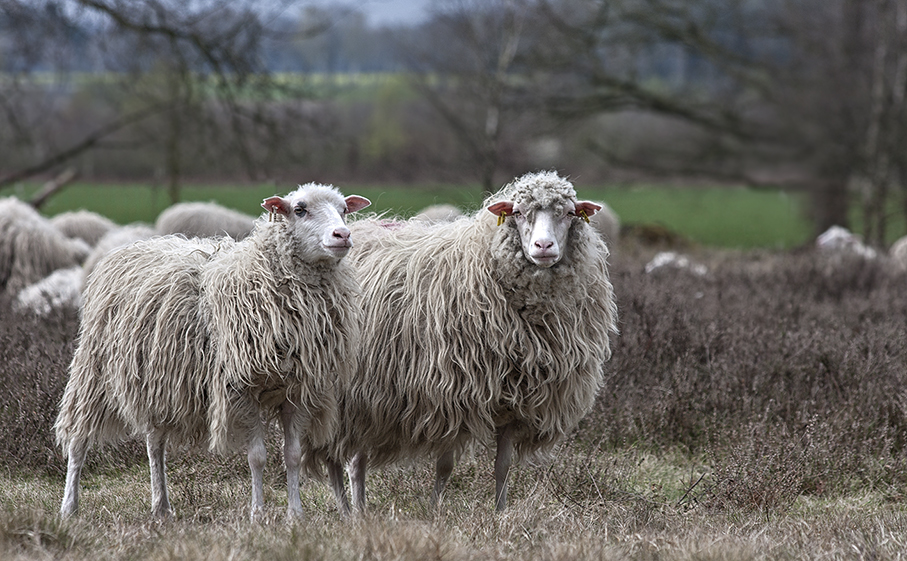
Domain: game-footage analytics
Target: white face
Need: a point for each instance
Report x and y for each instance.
(543, 233)
(317, 216)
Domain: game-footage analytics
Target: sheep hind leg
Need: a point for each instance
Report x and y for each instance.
(502, 463)
(443, 469)
(257, 456)
(335, 472)
(77, 450)
(292, 457)
(156, 442)
(356, 469)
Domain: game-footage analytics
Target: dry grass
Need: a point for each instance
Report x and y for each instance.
(754, 413)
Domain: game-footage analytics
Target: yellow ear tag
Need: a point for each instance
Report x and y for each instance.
(501, 217)
(584, 216)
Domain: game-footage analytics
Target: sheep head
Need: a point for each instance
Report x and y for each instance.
(543, 208)
(316, 217)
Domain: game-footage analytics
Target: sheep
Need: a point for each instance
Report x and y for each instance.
(194, 340)
(898, 253)
(200, 219)
(838, 241)
(118, 237)
(83, 224)
(31, 248)
(674, 260)
(438, 213)
(58, 290)
(606, 223)
(476, 333)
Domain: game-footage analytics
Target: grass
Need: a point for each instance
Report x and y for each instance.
(716, 217)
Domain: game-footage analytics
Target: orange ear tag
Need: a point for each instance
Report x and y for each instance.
(501, 217)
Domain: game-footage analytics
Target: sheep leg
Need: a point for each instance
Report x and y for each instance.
(258, 456)
(443, 469)
(335, 472)
(292, 457)
(156, 442)
(78, 448)
(502, 463)
(356, 469)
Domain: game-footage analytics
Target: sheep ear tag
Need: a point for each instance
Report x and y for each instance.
(276, 205)
(585, 209)
(501, 210)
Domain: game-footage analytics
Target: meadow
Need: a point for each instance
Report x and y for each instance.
(758, 411)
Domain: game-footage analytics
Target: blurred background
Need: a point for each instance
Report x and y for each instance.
(789, 112)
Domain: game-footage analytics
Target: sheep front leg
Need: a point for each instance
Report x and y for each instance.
(156, 442)
(443, 469)
(257, 455)
(77, 450)
(335, 472)
(502, 463)
(292, 456)
(356, 469)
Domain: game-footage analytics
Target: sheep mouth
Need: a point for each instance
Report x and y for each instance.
(545, 259)
(340, 248)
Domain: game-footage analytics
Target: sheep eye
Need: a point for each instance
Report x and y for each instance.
(517, 213)
(300, 210)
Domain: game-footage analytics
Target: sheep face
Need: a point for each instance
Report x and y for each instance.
(316, 217)
(543, 231)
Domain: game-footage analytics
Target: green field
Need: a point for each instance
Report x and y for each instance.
(727, 217)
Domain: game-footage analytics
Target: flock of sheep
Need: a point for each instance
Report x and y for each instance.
(369, 343)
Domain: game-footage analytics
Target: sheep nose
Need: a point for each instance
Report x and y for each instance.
(341, 233)
(544, 244)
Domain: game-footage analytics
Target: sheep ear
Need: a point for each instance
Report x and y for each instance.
(502, 208)
(276, 204)
(586, 207)
(355, 202)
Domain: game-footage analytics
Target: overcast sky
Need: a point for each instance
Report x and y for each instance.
(382, 12)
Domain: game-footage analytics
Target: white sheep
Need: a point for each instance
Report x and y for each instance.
(203, 220)
(491, 329)
(606, 223)
(31, 248)
(118, 237)
(838, 241)
(194, 340)
(438, 213)
(83, 224)
(898, 253)
(58, 290)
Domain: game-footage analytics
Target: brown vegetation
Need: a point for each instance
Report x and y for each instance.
(756, 411)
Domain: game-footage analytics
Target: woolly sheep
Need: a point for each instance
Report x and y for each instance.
(118, 237)
(31, 248)
(898, 253)
(203, 220)
(837, 241)
(188, 340)
(60, 289)
(476, 333)
(438, 213)
(85, 225)
(606, 223)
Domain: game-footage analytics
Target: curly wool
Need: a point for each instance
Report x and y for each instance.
(202, 336)
(204, 220)
(85, 225)
(31, 248)
(462, 335)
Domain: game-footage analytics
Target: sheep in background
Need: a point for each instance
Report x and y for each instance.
(674, 260)
(438, 213)
(188, 340)
(60, 289)
(85, 225)
(475, 331)
(838, 241)
(31, 248)
(119, 237)
(606, 223)
(898, 253)
(203, 220)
